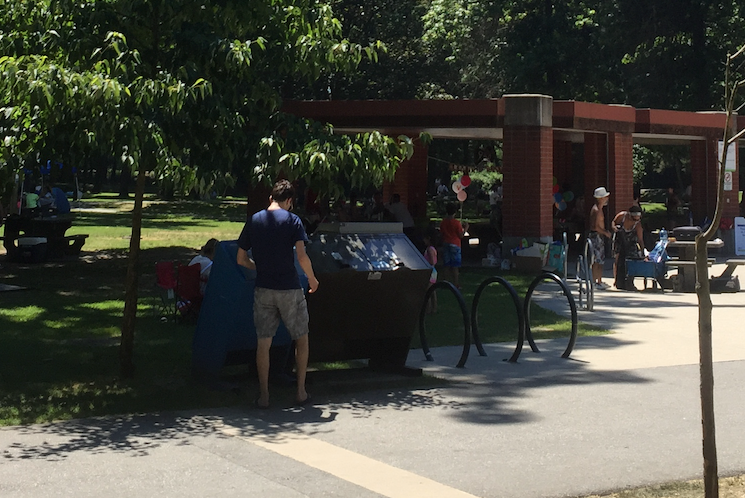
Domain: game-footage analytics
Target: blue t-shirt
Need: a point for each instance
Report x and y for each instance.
(60, 200)
(272, 236)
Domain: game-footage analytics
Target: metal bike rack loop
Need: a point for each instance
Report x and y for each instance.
(584, 277)
(466, 321)
(572, 306)
(518, 309)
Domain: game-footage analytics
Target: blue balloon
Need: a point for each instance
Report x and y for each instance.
(562, 206)
(558, 197)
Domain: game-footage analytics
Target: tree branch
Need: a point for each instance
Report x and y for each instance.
(736, 137)
(733, 57)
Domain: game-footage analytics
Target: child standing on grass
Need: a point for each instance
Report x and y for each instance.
(430, 254)
(452, 231)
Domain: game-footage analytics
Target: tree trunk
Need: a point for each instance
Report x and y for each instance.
(101, 163)
(126, 350)
(125, 178)
(706, 361)
(706, 368)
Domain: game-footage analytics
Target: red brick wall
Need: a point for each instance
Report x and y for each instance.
(704, 178)
(705, 175)
(563, 161)
(528, 171)
(410, 182)
(620, 171)
(595, 166)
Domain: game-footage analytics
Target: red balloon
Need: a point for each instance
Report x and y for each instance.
(465, 180)
(555, 189)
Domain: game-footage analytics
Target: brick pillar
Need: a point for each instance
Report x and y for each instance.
(596, 166)
(704, 177)
(620, 171)
(410, 182)
(528, 168)
(563, 161)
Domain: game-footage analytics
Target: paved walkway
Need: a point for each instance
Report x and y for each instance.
(623, 412)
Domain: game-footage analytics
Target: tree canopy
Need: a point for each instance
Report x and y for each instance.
(188, 87)
(176, 89)
(658, 53)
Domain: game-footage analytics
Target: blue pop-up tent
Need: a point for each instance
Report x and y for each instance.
(226, 328)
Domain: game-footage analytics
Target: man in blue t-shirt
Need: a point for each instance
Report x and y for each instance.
(272, 234)
(60, 200)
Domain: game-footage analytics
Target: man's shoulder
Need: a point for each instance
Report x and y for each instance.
(258, 216)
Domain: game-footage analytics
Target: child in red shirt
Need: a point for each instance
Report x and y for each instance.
(452, 231)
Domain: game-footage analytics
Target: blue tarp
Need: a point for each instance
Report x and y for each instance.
(226, 321)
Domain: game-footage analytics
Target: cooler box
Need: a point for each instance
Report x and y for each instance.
(647, 269)
(32, 249)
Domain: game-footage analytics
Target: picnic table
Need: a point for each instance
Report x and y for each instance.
(52, 228)
(686, 261)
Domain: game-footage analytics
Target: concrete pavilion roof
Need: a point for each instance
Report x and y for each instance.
(483, 119)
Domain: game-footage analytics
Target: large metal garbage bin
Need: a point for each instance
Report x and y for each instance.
(372, 285)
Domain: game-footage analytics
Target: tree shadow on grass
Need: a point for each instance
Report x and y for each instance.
(59, 373)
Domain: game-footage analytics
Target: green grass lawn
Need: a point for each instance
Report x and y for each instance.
(60, 337)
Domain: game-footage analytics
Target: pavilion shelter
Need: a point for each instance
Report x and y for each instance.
(585, 144)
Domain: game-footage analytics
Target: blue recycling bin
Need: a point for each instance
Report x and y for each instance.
(225, 332)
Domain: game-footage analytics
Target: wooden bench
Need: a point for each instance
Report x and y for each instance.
(732, 265)
(677, 262)
(69, 245)
(685, 281)
(74, 243)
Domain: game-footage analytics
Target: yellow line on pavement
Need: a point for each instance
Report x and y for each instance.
(352, 467)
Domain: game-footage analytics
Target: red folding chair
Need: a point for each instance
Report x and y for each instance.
(188, 297)
(166, 284)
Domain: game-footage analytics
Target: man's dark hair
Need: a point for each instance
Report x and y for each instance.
(282, 191)
(395, 198)
(635, 210)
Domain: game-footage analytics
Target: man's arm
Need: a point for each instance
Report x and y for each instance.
(243, 259)
(305, 264)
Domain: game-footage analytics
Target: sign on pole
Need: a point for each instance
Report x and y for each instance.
(731, 164)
